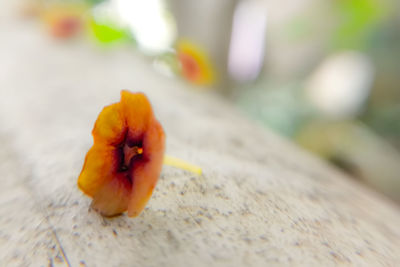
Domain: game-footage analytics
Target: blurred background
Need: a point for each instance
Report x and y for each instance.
(323, 73)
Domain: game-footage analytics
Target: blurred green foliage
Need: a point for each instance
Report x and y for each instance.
(94, 2)
(108, 33)
(357, 21)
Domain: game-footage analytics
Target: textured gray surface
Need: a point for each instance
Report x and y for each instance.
(260, 200)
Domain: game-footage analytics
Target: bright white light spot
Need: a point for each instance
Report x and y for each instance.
(149, 21)
(342, 83)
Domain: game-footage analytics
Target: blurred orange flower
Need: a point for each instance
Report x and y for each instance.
(195, 63)
(64, 21)
(123, 165)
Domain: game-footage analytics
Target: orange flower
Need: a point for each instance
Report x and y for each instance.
(123, 165)
(64, 21)
(196, 65)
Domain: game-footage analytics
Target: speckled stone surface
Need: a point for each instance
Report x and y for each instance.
(260, 201)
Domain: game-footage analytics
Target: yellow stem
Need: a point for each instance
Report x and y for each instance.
(181, 164)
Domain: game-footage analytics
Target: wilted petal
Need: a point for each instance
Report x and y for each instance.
(110, 125)
(138, 113)
(97, 169)
(146, 173)
(112, 198)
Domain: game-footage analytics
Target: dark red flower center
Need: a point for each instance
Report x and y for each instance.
(128, 153)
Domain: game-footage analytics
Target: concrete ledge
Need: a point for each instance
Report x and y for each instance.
(261, 201)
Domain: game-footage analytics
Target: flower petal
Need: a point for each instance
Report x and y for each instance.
(138, 113)
(110, 125)
(147, 171)
(99, 164)
(113, 196)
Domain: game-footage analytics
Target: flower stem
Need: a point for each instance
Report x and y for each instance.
(181, 164)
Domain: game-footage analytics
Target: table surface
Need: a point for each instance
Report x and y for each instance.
(260, 200)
